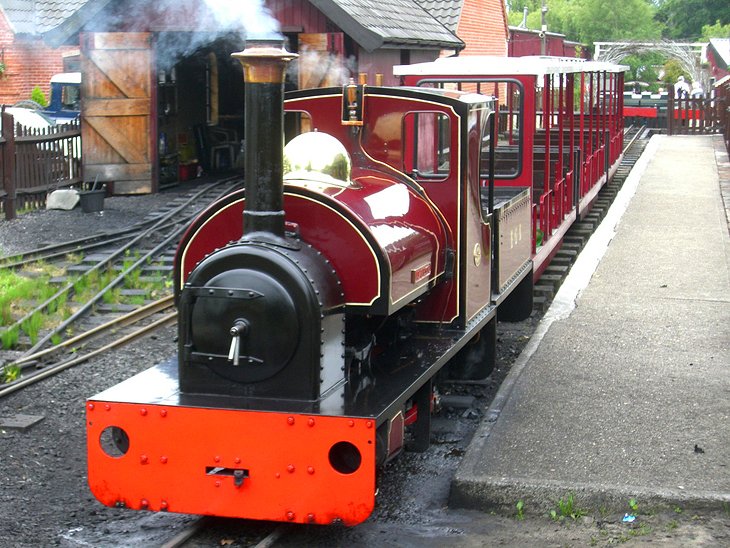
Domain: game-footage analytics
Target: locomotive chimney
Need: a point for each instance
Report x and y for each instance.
(264, 66)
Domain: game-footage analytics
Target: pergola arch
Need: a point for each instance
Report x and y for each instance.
(689, 54)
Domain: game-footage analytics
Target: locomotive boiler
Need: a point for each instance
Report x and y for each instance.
(318, 306)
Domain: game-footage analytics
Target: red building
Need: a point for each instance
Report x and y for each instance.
(524, 42)
(718, 57)
(25, 60)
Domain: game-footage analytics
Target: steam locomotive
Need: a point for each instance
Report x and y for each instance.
(318, 306)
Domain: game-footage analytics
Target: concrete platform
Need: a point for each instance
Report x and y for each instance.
(624, 391)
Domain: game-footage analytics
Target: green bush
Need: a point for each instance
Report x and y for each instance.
(38, 96)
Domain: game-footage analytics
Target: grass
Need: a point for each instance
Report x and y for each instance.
(10, 338)
(22, 291)
(14, 289)
(19, 292)
(32, 326)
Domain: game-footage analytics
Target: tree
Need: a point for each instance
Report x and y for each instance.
(685, 18)
(715, 31)
(625, 20)
(591, 21)
(673, 70)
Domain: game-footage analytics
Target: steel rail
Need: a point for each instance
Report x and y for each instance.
(168, 319)
(187, 533)
(633, 139)
(119, 322)
(193, 528)
(96, 298)
(272, 538)
(160, 223)
(91, 241)
(63, 249)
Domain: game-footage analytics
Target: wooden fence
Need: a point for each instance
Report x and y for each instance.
(688, 116)
(34, 162)
(723, 91)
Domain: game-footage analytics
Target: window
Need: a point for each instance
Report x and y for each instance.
(507, 153)
(508, 102)
(427, 145)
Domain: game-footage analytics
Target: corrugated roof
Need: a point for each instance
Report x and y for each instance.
(447, 12)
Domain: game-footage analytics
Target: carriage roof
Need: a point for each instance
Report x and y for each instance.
(489, 66)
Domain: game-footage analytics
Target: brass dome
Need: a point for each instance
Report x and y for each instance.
(317, 155)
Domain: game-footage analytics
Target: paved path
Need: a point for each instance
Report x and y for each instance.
(625, 390)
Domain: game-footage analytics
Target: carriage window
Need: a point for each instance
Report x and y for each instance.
(427, 144)
(508, 99)
(507, 153)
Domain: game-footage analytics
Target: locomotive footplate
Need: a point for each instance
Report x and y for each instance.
(150, 447)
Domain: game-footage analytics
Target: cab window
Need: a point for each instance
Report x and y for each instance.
(427, 145)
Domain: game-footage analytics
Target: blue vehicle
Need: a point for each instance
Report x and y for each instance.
(65, 101)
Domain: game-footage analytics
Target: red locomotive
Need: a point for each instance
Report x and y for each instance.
(317, 306)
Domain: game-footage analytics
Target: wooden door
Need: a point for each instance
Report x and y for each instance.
(321, 60)
(116, 110)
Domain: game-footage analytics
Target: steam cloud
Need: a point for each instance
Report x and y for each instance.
(236, 20)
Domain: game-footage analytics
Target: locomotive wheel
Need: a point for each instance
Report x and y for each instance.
(518, 305)
(476, 360)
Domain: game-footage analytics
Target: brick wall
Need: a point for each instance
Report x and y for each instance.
(483, 28)
(28, 63)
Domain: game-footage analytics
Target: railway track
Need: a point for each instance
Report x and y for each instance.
(114, 333)
(261, 535)
(461, 400)
(104, 293)
(579, 233)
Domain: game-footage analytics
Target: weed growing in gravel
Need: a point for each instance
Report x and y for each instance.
(13, 290)
(640, 531)
(567, 509)
(112, 296)
(19, 292)
(520, 510)
(634, 505)
(137, 300)
(10, 373)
